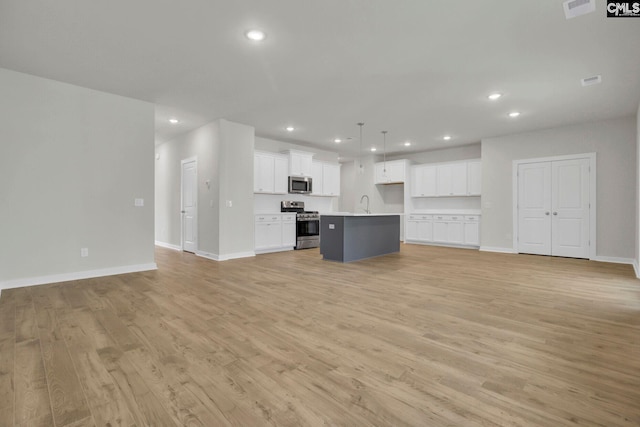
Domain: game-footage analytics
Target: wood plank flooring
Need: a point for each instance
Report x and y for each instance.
(428, 337)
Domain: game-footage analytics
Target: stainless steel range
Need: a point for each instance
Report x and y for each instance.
(307, 224)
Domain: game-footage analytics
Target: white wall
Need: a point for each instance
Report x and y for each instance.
(236, 185)
(452, 154)
(224, 151)
(72, 161)
(614, 141)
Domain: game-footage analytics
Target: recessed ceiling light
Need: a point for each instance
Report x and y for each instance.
(290, 128)
(373, 148)
(255, 35)
(407, 144)
(446, 137)
(174, 121)
(494, 96)
(514, 114)
(337, 140)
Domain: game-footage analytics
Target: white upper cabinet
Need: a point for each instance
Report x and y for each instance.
(446, 179)
(326, 178)
(330, 179)
(317, 177)
(452, 179)
(474, 178)
(270, 173)
(300, 163)
(281, 175)
(391, 172)
(423, 181)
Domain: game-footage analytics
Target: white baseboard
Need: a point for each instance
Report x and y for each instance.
(614, 260)
(498, 250)
(78, 275)
(168, 245)
(226, 257)
(635, 268)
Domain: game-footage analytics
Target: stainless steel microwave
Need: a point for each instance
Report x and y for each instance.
(300, 184)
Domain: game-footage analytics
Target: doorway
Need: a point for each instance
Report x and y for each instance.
(554, 212)
(189, 204)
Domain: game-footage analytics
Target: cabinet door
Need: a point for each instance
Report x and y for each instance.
(440, 230)
(395, 171)
(380, 176)
(472, 233)
(425, 231)
(444, 180)
(300, 164)
(459, 179)
(317, 176)
(281, 175)
(274, 232)
(263, 169)
(474, 178)
(262, 235)
(331, 179)
(455, 233)
(412, 230)
(423, 182)
(289, 234)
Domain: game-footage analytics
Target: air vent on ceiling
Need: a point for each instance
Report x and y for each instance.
(573, 8)
(593, 80)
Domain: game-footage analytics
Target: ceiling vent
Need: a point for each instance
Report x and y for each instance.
(573, 8)
(593, 80)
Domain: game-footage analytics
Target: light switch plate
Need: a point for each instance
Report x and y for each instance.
(138, 202)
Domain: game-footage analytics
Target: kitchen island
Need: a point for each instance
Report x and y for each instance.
(350, 237)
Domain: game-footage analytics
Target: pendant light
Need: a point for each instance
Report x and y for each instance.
(384, 152)
(361, 166)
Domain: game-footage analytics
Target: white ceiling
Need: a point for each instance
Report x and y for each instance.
(419, 69)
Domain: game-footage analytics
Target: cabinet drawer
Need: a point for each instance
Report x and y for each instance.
(268, 218)
(472, 218)
(418, 217)
(448, 218)
(289, 218)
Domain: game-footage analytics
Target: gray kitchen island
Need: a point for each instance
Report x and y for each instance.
(350, 237)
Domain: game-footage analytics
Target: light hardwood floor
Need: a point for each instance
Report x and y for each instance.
(428, 337)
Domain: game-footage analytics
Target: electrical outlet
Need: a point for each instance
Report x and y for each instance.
(84, 252)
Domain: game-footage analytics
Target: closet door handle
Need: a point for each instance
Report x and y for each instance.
(555, 213)
(546, 213)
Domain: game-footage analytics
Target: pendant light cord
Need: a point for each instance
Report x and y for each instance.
(361, 124)
(384, 152)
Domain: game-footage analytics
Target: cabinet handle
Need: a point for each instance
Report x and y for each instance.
(454, 217)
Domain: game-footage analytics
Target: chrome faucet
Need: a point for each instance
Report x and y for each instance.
(361, 199)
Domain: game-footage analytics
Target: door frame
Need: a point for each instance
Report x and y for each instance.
(592, 195)
(182, 163)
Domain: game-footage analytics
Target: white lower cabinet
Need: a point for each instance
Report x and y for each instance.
(472, 230)
(288, 230)
(457, 230)
(275, 232)
(420, 228)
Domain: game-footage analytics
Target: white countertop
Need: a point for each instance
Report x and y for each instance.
(447, 212)
(358, 214)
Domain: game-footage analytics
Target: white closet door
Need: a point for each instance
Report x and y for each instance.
(570, 208)
(534, 208)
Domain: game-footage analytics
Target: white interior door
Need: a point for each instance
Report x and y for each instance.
(534, 208)
(570, 208)
(189, 205)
